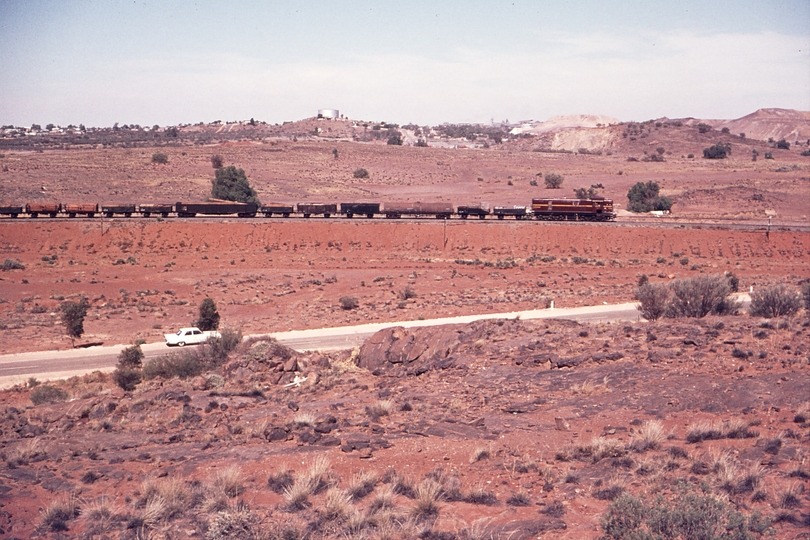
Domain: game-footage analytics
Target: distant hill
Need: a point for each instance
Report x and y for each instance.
(764, 124)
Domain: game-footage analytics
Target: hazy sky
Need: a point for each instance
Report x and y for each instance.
(168, 62)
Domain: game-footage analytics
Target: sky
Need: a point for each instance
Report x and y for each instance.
(167, 62)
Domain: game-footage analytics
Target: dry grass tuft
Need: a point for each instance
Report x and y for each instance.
(381, 408)
(427, 500)
(336, 504)
(304, 419)
(790, 497)
(362, 484)
(229, 481)
(480, 452)
(649, 437)
(56, 515)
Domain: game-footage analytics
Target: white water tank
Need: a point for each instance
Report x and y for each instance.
(330, 114)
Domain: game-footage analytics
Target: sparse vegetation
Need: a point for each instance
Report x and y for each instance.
(360, 173)
(45, 393)
(349, 302)
(12, 264)
(700, 296)
(217, 161)
(160, 158)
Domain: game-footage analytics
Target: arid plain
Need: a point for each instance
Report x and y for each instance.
(506, 418)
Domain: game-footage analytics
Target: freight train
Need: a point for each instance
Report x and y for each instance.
(595, 209)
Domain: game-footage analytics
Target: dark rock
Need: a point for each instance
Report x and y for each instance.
(274, 434)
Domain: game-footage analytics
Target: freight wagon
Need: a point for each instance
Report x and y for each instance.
(111, 209)
(360, 209)
(464, 211)
(596, 209)
(396, 210)
(216, 208)
(308, 209)
(34, 209)
(281, 209)
(12, 211)
(163, 209)
(74, 209)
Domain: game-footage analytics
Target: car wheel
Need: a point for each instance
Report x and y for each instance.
(181, 344)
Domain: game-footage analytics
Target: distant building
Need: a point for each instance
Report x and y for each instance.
(329, 114)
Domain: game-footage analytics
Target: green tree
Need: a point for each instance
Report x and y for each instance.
(209, 316)
(644, 197)
(73, 314)
(231, 184)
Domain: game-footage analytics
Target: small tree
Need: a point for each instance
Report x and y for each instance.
(783, 144)
(231, 184)
(209, 316)
(395, 140)
(216, 161)
(360, 173)
(644, 197)
(73, 314)
(717, 151)
(554, 181)
(160, 158)
(653, 298)
(776, 301)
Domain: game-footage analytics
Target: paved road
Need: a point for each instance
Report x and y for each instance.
(47, 365)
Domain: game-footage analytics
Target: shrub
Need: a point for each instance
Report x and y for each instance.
(585, 193)
(160, 157)
(395, 140)
(699, 296)
(783, 144)
(408, 293)
(776, 301)
(554, 181)
(12, 264)
(806, 295)
(127, 378)
(644, 198)
(717, 151)
(131, 357)
(182, 366)
(231, 184)
(217, 349)
(73, 314)
(56, 515)
(209, 316)
(349, 302)
(360, 173)
(216, 161)
(688, 516)
(46, 393)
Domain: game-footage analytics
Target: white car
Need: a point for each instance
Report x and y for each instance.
(189, 336)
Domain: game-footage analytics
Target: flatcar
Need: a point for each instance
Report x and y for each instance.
(396, 210)
(216, 208)
(596, 209)
(519, 212)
